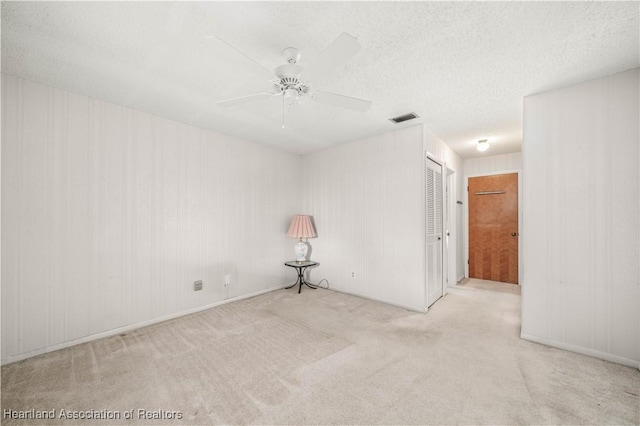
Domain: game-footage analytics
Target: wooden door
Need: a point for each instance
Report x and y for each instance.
(493, 228)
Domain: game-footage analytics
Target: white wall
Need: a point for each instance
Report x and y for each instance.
(368, 203)
(493, 164)
(367, 198)
(581, 218)
(110, 214)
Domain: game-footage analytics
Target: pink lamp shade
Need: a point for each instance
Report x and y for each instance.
(301, 227)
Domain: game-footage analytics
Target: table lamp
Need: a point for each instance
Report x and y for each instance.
(301, 227)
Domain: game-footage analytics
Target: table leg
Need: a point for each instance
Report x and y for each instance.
(301, 280)
(311, 286)
(294, 284)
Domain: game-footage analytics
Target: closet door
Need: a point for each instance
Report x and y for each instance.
(434, 231)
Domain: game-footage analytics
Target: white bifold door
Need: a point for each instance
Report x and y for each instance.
(434, 230)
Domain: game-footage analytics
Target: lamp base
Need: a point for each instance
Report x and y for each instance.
(301, 249)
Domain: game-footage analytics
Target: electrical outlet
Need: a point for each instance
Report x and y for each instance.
(227, 279)
(353, 275)
(197, 285)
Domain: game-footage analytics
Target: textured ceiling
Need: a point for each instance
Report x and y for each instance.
(463, 67)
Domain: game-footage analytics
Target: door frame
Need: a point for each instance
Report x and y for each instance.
(466, 218)
(451, 229)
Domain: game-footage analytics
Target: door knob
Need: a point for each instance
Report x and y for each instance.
(513, 234)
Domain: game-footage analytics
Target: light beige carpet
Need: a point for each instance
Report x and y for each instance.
(322, 357)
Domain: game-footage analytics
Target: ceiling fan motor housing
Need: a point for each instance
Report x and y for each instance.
(289, 81)
(289, 70)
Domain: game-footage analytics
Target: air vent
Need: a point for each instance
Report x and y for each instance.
(405, 117)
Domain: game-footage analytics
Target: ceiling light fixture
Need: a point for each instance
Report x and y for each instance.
(482, 145)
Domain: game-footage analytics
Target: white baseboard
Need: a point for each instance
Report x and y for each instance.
(375, 299)
(584, 351)
(126, 328)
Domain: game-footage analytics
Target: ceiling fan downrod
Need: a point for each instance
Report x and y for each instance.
(291, 55)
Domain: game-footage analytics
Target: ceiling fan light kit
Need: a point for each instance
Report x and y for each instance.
(291, 79)
(290, 96)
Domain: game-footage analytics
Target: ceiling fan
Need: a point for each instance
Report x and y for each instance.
(293, 82)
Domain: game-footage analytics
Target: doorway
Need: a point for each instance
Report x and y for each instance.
(493, 227)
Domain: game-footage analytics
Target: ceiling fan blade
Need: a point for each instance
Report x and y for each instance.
(336, 54)
(268, 74)
(341, 101)
(245, 99)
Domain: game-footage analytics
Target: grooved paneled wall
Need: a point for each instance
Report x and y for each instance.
(367, 198)
(581, 247)
(110, 214)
